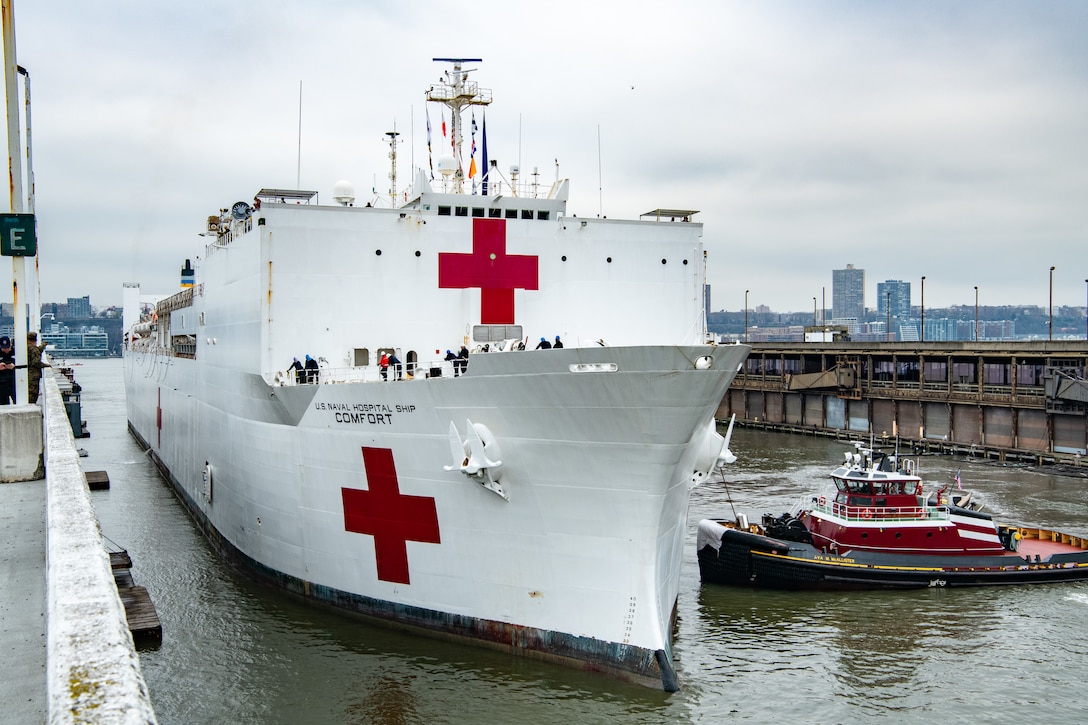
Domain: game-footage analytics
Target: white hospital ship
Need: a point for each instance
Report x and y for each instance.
(536, 502)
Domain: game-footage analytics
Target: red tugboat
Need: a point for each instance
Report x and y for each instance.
(880, 530)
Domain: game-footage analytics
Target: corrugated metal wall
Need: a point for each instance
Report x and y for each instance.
(965, 424)
(936, 421)
(1069, 434)
(1031, 430)
(998, 426)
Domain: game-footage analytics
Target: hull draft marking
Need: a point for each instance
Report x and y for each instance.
(392, 518)
(491, 269)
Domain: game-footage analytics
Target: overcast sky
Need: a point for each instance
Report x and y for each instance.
(945, 139)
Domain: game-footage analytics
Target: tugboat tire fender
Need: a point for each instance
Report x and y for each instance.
(756, 541)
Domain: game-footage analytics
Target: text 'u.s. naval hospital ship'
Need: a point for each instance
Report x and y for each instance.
(531, 499)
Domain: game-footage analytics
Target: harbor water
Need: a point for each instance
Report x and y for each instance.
(235, 651)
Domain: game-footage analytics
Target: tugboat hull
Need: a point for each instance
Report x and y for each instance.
(745, 558)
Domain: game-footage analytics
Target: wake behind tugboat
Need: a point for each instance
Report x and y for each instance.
(881, 530)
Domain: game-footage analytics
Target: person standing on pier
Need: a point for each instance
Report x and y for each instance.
(34, 365)
(7, 371)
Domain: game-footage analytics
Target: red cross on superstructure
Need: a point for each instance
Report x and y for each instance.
(392, 518)
(490, 268)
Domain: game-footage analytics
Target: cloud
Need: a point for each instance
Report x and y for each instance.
(933, 138)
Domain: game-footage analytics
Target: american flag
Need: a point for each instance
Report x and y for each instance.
(959, 485)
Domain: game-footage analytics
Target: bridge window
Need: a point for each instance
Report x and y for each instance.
(444, 210)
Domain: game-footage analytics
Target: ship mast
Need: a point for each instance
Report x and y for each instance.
(456, 92)
(393, 162)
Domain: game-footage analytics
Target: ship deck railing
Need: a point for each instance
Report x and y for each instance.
(884, 513)
(328, 375)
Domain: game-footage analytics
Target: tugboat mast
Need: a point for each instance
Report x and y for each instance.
(455, 93)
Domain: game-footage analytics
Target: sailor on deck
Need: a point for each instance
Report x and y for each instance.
(312, 370)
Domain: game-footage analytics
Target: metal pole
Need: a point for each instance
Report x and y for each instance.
(1086, 310)
(976, 313)
(1051, 323)
(745, 316)
(814, 323)
(17, 199)
(923, 308)
(33, 282)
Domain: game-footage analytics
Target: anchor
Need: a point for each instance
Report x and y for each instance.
(714, 452)
(477, 456)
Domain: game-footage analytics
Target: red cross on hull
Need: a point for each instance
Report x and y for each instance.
(392, 518)
(490, 268)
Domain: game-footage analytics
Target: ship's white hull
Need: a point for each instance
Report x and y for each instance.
(341, 492)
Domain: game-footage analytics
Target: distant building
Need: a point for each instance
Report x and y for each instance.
(998, 330)
(896, 294)
(908, 333)
(852, 324)
(848, 293)
(790, 333)
(92, 342)
(79, 308)
(942, 330)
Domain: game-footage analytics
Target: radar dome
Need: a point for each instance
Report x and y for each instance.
(343, 193)
(447, 165)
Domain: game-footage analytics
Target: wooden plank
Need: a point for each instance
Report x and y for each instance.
(98, 480)
(143, 620)
(120, 560)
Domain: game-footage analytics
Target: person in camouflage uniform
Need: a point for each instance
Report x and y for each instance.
(34, 365)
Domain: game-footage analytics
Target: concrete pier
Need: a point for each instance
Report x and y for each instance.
(69, 656)
(22, 601)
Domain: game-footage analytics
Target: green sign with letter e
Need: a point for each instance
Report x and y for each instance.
(17, 237)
